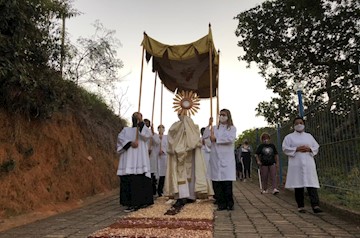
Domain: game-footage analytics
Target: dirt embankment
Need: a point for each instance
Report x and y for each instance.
(60, 160)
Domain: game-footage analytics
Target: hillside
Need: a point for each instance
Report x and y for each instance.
(57, 160)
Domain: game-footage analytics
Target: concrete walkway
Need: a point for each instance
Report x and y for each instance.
(255, 215)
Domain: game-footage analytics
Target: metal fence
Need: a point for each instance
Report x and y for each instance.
(337, 130)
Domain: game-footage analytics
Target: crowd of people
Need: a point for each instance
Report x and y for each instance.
(188, 164)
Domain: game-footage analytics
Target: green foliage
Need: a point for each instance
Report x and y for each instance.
(28, 52)
(253, 136)
(308, 41)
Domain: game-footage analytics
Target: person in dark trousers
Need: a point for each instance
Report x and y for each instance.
(246, 159)
(134, 165)
(222, 162)
(153, 158)
(301, 147)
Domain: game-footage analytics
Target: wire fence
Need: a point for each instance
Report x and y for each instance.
(337, 130)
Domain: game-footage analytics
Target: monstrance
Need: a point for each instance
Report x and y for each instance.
(186, 103)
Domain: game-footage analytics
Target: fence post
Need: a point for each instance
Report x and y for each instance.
(279, 153)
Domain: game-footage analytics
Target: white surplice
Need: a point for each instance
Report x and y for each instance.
(301, 166)
(134, 160)
(160, 144)
(222, 158)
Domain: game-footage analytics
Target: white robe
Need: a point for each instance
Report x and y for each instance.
(222, 160)
(206, 149)
(161, 159)
(134, 160)
(301, 166)
(186, 172)
(153, 159)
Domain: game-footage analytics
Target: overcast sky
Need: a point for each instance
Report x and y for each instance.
(178, 22)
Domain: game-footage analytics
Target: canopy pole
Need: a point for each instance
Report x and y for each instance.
(210, 73)
(161, 105)
(217, 90)
(153, 106)
(141, 78)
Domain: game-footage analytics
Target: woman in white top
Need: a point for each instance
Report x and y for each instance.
(222, 162)
(301, 147)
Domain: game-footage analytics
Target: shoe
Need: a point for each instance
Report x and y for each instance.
(275, 191)
(130, 209)
(301, 210)
(264, 191)
(230, 208)
(145, 206)
(188, 200)
(221, 208)
(317, 209)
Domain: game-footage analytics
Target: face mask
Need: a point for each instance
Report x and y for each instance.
(223, 119)
(299, 127)
(266, 141)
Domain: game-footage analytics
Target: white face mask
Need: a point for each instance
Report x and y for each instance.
(299, 127)
(223, 119)
(266, 141)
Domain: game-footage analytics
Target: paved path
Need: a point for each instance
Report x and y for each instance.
(255, 215)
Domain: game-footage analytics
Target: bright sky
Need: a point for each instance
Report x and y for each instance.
(178, 22)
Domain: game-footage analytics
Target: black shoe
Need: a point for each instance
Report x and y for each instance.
(220, 208)
(317, 209)
(179, 203)
(188, 200)
(131, 209)
(230, 208)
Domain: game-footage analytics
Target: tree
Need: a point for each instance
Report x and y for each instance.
(93, 61)
(28, 53)
(314, 42)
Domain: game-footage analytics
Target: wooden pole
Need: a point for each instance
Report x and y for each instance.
(141, 78)
(153, 106)
(211, 86)
(161, 105)
(217, 89)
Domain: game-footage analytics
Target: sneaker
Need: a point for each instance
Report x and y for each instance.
(275, 191)
(264, 191)
(317, 209)
(301, 210)
(130, 209)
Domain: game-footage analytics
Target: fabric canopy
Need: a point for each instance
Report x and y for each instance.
(184, 67)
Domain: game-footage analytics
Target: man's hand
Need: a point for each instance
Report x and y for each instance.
(134, 144)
